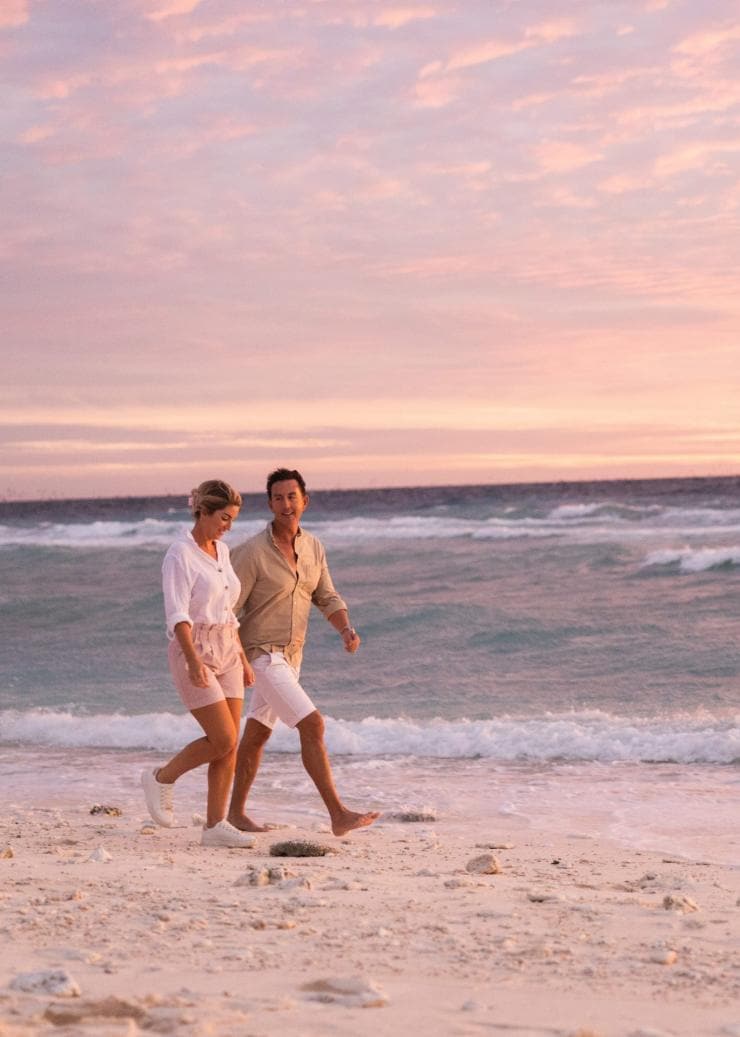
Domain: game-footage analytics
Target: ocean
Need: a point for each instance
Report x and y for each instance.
(553, 651)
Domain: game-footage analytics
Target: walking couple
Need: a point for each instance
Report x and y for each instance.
(269, 583)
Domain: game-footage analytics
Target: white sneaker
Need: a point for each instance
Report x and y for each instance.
(225, 834)
(159, 799)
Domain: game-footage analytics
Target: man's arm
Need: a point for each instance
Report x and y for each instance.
(333, 607)
(243, 564)
(340, 621)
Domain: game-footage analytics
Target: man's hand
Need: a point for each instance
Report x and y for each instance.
(351, 640)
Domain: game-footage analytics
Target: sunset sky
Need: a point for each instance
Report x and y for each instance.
(389, 243)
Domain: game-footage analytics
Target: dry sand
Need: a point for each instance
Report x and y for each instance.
(128, 929)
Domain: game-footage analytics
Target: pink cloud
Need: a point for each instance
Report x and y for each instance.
(482, 53)
(13, 13)
(172, 8)
(437, 92)
(492, 50)
(229, 26)
(397, 17)
(559, 156)
(705, 155)
(36, 134)
(701, 44)
(622, 183)
(552, 31)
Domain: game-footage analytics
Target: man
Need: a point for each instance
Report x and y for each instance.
(283, 571)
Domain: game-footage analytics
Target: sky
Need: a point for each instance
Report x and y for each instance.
(389, 243)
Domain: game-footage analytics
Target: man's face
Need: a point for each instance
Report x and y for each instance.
(287, 502)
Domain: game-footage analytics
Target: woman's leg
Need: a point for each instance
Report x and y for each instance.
(221, 771)
(220, 722)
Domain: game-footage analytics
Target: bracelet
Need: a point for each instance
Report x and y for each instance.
(344, 631)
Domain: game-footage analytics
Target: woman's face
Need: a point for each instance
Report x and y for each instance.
(214, 526)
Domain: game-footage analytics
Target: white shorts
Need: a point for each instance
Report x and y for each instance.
(277, 693)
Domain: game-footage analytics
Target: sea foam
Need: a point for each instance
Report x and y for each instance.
(695, 559)
(593, 522)
(586, 736)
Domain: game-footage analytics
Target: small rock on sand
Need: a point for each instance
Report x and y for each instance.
(51, 981)
(485, 864)
(541, 896)
(109, 1008)
(99, 808)
(352, 992)
(7, 854)
(494, 846)
(678, 902)
(299, 848)
(413, 816)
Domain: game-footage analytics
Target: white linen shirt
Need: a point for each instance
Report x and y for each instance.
(198, 588)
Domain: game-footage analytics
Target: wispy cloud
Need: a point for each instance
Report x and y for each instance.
(169, 8)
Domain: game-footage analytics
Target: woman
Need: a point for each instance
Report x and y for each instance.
(206, 660)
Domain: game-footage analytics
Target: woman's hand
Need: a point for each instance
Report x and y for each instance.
(248, 672)
(197, 672)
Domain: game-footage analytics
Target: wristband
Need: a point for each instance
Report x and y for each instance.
(344, 631)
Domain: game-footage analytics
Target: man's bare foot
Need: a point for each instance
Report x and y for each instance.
(246, 824)
(348, 821)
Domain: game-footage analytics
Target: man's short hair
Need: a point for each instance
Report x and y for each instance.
(283, 474)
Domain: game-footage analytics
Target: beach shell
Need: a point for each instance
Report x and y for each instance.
(664, 957)
(100, 856)
(353, 992)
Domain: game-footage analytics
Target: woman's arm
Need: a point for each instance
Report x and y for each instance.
(196, 669)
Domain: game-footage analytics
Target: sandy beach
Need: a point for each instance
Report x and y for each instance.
(111, 926)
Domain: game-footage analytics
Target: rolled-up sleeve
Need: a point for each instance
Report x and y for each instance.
(325, 597)
(177, 587)
(245, 566)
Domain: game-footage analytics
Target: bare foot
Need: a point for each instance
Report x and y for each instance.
(348, 820)
(245, 824)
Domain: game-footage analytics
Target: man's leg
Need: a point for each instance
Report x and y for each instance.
(316, 761)
(248, 759)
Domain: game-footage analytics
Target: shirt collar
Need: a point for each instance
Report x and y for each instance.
(189, 539)
(271, 537)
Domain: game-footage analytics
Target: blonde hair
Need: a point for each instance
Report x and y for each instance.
(212, 495)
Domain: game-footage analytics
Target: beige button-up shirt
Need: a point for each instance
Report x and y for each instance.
(275, 602)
